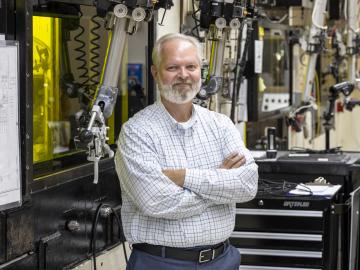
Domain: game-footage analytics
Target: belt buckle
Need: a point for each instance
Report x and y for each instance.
(202, 256)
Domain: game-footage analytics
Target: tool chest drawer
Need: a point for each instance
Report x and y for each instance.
(287, 232)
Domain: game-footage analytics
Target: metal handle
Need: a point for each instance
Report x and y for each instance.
(275, 212)
(281, 253)
(278, 236)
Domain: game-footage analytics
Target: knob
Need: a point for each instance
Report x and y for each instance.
(73, 226)
(105, 211)
(220, 23)
(235, 23)
(120, 10)
(138, 14)
(86, 136)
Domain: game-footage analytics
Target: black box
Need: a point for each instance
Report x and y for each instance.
(293, 232)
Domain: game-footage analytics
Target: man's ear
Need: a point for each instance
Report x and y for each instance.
(154, 72)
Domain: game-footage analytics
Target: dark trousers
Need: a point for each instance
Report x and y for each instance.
(139, 260)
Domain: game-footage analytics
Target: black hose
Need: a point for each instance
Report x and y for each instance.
(238, 56)
(94, 227)
(93, 233)
(84, 73)
(117, 218)
(196, 20)
(239, 73)
(95, 51)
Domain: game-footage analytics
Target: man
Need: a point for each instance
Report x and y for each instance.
(182, 168)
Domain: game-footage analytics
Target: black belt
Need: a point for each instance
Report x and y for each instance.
(198, 255)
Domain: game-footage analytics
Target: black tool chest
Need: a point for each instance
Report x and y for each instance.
(288, 232)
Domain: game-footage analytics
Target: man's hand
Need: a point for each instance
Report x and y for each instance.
(233, 161)
(177, 175)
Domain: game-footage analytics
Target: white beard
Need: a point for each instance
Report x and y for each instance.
(170, 93)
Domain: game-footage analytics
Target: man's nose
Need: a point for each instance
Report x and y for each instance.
(183, 73)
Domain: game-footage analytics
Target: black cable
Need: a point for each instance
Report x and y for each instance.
(94, 227)
(93, 233)
(83, 71)
(196, 20)
(95, 50)
(281, 188)
(243, 59)
(117, 218)
(242, 64)
(125, 254)
(234, 97)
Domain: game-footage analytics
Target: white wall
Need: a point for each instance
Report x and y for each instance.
(137, 44)
(171, 21)
(347, 126)
(171, 24)
(346, 133)
(137, 50)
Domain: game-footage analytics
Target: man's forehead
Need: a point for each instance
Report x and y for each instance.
(177, 51)
(179, 58)
(177, 43)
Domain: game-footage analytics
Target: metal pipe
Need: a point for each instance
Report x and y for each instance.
(114, 57)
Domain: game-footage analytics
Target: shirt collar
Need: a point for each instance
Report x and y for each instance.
(175, 124)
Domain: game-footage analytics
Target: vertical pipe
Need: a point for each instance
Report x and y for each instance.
(115, 54)
(150, 79)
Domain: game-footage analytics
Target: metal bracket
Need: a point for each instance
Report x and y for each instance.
(340, 209)
(43, 243)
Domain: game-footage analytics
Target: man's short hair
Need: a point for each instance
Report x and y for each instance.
(156, 58)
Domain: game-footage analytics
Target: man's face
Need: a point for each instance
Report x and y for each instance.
(178, 76)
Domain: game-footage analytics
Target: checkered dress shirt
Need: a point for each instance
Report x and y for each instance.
(202, 212)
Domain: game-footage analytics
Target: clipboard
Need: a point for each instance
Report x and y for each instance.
(10, 166)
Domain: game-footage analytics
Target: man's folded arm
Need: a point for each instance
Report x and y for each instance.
(226, 185)
(223, 186)
(142, 179)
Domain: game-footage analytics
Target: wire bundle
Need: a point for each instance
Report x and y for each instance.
(280, 188)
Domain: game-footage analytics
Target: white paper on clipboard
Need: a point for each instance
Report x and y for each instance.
(10, 169)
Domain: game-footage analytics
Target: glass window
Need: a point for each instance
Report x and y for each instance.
(67, 63)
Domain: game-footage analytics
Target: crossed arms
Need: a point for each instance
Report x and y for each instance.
(233, 161)
(181, 193)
